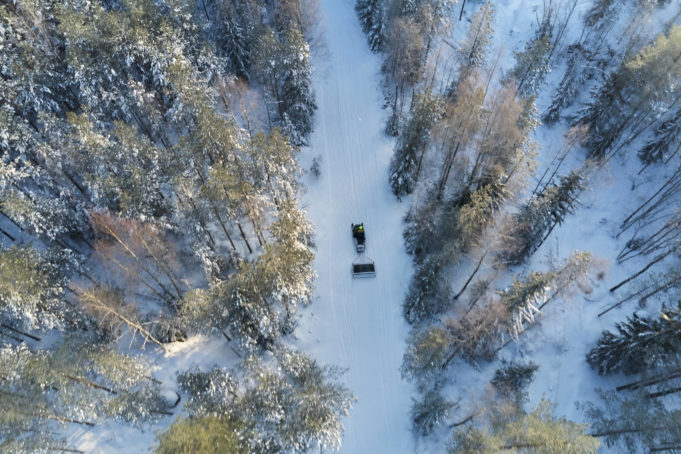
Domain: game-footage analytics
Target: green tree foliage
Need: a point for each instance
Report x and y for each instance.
(121, 145)
(283, 67)
(511, 381)
(426, 352)
(473, 50)
(294, 405)
(636, 91)
(372, 17)
(639, 344)
(407, 160)
(32, 285)
(538, 431)
(535, 221)
(666, 136)
(532, 65)
(76, 382)
(430, 411)
(204, 434)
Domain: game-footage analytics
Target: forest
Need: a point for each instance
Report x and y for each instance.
(485, 195)
(149, 194)
(153, 200)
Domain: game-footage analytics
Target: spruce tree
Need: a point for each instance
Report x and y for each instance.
(430, 411)
(631, 92)
(532, 65)
(297, 103)
(639, 344)
(667, 135)
(407, 160)
(535, 221)
(634, 422)
(372, 17)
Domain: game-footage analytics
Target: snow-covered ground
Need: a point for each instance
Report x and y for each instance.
(357, 323)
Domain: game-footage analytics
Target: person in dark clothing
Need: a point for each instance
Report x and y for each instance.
(358, 232)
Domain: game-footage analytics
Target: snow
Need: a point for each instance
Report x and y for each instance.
(357, 323)
(111, 437)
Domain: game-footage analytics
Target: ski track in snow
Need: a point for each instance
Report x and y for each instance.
(357, 323)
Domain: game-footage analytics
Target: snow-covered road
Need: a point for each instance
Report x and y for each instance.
(357, 323)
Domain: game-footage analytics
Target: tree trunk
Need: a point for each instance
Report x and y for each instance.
(243, 235)
(657, 259)
(470, 278)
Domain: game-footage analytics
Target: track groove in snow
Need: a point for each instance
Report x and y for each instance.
(357, 324)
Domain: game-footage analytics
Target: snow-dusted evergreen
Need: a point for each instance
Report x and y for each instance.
(372, 16)
(638, 344)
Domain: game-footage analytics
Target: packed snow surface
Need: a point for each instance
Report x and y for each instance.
(357, 323)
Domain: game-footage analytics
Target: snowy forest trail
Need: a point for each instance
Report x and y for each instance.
(357, 323)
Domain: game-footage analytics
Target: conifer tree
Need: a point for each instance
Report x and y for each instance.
(537, 431)
(297, 104)
(32, 286)
(407, 159)
(667, 135)
(205, 434)
(639, 344)
(535, 221)
(77, 382)
(532, 65)
(292, 404)
(429, 412)
(630, 93)
(473, 50)
(635, 422)
(427, 350)
(372, 17)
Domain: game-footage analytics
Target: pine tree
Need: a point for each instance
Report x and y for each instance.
(427, 350)
(372, 17)
(537, 431)
(78, 382)
(299, 407)
(237, 304)
(210, 392)
(639, 344)
(288, 260)
(473, 50)
(32, 286)
(205, 434)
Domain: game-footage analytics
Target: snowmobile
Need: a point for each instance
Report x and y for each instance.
(362, 266)
(359, 236)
